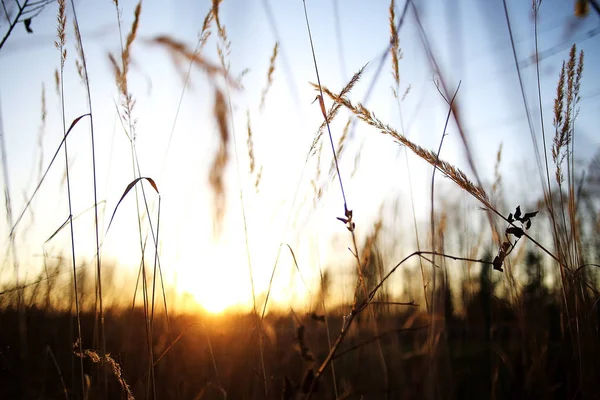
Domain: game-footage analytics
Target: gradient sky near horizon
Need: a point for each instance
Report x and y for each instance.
(469, 39)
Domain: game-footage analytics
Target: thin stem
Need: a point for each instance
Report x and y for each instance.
(337, 168)
(412, 202)
(335, 389)
(13, 247)
(94, 174)
(432, 363)
(72, 232)
(358, 309)
(548, 189)
(347, 214)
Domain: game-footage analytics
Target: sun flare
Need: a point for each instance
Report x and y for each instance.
(213, 295)
(215, 287)
(214, 303)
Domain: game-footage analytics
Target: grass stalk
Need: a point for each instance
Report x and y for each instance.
(60, 45)
(451, 172)
(85, 77)
(433, 309)
(121, 75)
(347, 219)
(13, 248)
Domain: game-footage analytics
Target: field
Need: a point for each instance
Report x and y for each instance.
(415, 255)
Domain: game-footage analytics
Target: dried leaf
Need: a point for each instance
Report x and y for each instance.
(518, 232)
(518, 213)
(129, 187)
(529, 215)
(27, 23)
(497, 263)
(58, 230)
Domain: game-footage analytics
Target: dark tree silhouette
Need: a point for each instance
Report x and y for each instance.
(14, 13)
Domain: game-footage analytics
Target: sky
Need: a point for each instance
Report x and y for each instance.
(176, 145)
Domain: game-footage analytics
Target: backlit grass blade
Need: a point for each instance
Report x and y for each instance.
(129, 187)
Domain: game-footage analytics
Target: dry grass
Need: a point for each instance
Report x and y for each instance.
(217, 170)
(121, 70)
(113, 366)
(180, 52)
(449, 171)
(270, 72)
(335, 108)
(395, 44)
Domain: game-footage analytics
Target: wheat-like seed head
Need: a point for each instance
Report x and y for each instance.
(121, 71)
(60, 32)
(79, 48)
(250, 144)
(215, 11)
(131, 37)
(113, 365)
(451, 172)
(395, 44)
(179, 51)
(205, 32)
(565, 111)
(217, 171)
(258, 178)
(318, 190)
(335, 108)
(269, 75)
(341, 145)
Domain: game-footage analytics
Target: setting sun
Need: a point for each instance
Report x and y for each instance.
(213, 288)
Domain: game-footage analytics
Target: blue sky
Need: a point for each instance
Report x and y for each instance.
(469, 39)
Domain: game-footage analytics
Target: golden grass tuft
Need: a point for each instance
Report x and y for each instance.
(406, 92)
(131, 37)
(60, 32)
(79, 64)
(395, 44)
(224, 48)
(258, 178)
(112, 364)
(57, 81)
(451, 172)
(335, 108)
(318, 191)
(205, 32)
(215, 11)
(263, 95)
(180, 52)
(122, 71)
(341, 146)
(250, 144)
(251, 158)
(217, 170)
(567, 97)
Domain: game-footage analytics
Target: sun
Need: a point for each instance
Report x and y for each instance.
(215, 286)
(212, 292)
(214, 302)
